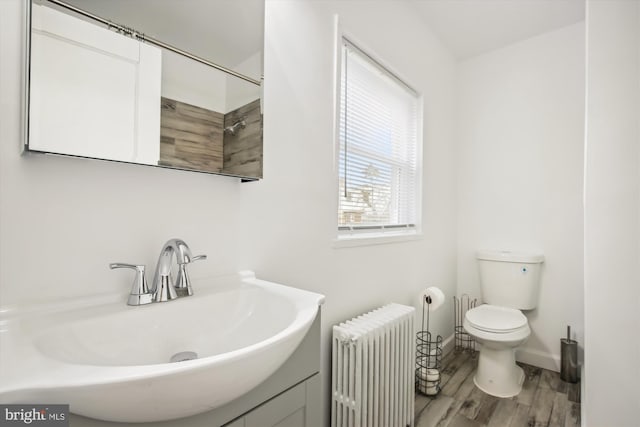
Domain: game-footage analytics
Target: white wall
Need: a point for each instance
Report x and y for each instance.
(289, 218)
(612, 211)
(197, 84)
(193, 83)
(240, 92)
(520, 168)
(63, 220)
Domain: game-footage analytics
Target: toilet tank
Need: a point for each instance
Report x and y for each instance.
(510, 279)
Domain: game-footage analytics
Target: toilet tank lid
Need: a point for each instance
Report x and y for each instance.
(508, 256)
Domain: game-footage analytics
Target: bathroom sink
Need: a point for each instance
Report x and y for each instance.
(157, 362)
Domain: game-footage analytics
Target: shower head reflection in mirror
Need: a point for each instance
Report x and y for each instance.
(240, 124)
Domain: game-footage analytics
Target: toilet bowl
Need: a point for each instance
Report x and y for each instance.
(499, 330)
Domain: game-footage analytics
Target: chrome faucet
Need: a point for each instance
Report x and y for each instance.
(163, 288)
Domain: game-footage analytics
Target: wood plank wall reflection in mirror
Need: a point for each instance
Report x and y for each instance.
(95, 92)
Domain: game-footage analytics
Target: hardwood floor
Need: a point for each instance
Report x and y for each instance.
(545, 400)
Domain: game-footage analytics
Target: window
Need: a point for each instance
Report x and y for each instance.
(378, 149)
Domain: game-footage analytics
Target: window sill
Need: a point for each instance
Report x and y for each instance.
(370, 239)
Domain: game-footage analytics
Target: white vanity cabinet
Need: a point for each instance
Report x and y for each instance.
(291, 397)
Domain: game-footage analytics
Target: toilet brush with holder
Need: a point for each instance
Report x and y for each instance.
(428, 355)
(569, 358)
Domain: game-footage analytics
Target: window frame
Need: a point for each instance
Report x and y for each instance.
(373, 235)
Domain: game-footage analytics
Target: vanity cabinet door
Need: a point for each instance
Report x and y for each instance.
(297, 407)
(93, 93)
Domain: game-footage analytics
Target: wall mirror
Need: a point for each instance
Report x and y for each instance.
(155, 82)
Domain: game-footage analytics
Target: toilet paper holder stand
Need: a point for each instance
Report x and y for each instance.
(428, 355)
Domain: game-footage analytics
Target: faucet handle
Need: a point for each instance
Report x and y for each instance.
(139, 290)
(183, 283)
(115, 265)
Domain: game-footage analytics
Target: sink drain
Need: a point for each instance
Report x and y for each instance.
(183, 355)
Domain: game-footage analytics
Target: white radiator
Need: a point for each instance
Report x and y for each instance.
(372, 372)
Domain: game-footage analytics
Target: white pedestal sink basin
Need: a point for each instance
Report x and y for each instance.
(112, 362)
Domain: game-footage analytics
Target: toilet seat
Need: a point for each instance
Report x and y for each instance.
(495, 319)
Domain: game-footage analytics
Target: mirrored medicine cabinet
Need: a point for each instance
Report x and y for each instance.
(165, 83)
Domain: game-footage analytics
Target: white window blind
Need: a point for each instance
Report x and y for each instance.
(378, 168)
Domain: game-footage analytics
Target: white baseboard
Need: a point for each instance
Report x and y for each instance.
(448, 344)
(525, 355)
(538, 358)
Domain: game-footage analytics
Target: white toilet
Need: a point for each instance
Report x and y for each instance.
(509, 282)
